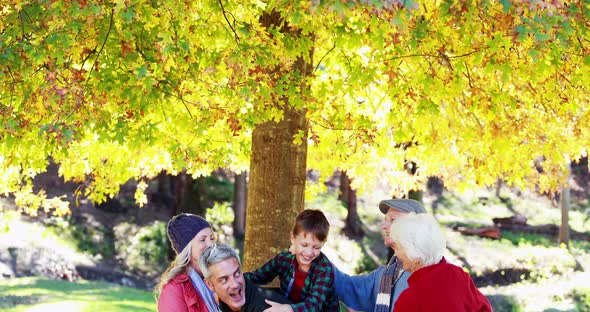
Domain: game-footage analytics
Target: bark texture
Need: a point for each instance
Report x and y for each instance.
(277, 170)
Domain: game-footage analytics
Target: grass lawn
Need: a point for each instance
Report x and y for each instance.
(39, 294)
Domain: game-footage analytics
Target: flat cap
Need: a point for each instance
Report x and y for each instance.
(403, 205)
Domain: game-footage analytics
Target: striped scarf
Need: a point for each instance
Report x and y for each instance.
(390, 276)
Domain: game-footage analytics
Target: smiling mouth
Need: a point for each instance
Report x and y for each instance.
(237, 295)
(306, 258)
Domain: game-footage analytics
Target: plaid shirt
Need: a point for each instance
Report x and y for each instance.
(317, 294)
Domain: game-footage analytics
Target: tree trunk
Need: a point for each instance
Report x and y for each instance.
(239, 205)
(189, 197)
(564, 202)
(189, 194)
(418, 195)
(352, 225)
(274, 199)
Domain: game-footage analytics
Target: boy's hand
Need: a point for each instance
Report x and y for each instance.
(277, 307)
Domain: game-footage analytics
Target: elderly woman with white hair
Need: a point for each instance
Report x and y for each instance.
(434, 284)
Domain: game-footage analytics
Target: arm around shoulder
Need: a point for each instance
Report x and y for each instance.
(267, 272)
(358, 292)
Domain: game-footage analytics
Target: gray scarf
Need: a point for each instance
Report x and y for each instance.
(204, 291)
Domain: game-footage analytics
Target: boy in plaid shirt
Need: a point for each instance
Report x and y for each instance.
(305, 274)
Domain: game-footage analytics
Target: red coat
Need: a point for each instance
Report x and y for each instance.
(441, 287)
(179, 295)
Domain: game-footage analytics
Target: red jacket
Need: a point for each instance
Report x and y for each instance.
(179, 295)
(441, 287)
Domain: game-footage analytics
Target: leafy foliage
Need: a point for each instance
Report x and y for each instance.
(470, 90)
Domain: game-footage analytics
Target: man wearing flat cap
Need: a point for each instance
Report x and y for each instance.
(378, 290)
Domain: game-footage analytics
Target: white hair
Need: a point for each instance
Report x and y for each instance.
(420, 236)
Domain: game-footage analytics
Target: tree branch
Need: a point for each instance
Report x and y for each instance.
(468, 77)
(22, 24)
(347, 58)
(321, 125)
(186, 106)
(433, 55)
(228, 23)
(87, 57)
(184, 102)
(410, 55)
(11, 76)
(564, 77)
(322, 58)
(102, 47)
(463, 55)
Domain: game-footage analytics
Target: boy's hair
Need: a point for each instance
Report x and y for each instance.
(312, 221)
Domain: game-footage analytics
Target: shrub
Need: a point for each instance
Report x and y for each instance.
(221, 218)
(504, 303)
(93, 239)
(142, 249)
(582, 299)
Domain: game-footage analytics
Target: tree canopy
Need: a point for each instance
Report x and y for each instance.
(468, 90)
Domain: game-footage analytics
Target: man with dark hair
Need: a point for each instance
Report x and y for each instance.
(378, 290)
(223, 274)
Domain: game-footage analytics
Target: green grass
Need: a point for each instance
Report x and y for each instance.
(40, 294)
(527, 239)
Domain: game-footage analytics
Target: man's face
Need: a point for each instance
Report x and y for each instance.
(389, 217)
(227, 281)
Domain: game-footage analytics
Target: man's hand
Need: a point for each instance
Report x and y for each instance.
(277, 307)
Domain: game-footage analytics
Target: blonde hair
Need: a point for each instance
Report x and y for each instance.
(179, 264)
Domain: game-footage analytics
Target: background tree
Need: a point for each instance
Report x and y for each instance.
(239, 204)
(352, 223)
(114, 90)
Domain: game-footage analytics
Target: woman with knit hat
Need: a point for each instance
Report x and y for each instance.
(181, 287)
